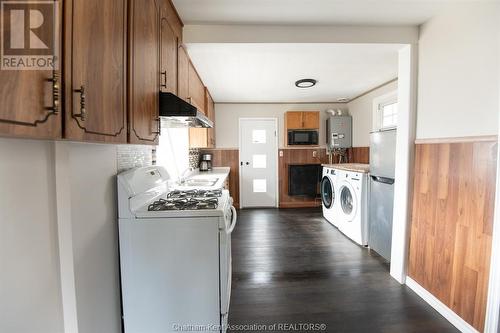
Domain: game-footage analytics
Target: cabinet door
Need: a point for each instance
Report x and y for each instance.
(198, 138)
(196, 90)
(144, 63)
(96, 70)
(310, 120)
(170, 13)
(182, 73)
(293, 120)
(211, 115)
(168, 56)
(28, 98)
(204, 137)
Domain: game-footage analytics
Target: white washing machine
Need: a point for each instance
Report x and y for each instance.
(352, 205)
(329, 195)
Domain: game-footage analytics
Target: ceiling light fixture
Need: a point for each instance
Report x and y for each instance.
(305, 83)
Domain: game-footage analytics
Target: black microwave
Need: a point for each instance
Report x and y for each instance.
(302, 137)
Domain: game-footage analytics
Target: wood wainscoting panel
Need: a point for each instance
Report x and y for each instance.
(359, 155)
(356, 155)
(228, 158)
(452, 219)
(297, 156)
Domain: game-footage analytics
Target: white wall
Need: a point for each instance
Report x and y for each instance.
(30, 279)
(30, 293)
(95, 236)
(361, 110)
(173, 151)
(458, 61)
(227, 115)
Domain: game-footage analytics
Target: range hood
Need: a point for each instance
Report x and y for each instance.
(175, 112)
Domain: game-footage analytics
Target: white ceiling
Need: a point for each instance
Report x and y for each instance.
(309, 12)
(266, 73)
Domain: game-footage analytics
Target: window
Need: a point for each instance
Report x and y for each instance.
(259, 136)
(259, 186)
(388, 114)
(385, 111)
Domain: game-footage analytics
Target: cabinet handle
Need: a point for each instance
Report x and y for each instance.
(83, 112)
(164, 75)
(56, 92)
(158, 132)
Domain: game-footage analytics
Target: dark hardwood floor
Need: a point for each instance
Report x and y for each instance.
(291, 266)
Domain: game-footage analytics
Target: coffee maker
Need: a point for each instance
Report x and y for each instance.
(206, 162)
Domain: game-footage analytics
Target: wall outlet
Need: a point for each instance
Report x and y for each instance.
(281, 153)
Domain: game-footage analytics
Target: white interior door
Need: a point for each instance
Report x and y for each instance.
(258, 162)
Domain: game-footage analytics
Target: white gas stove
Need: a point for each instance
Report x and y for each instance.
(173, 242)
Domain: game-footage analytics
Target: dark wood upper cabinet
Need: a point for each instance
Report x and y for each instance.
(204, 137)
(171, 36)
(211, 116)
(95, 70)
(196, 88)
(144, 70)
(182, 73)
(28, 98)
(117, 55)
(168, 57)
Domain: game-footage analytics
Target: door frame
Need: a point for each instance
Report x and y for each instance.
(405, 151)
(492, 320)
(276, 171)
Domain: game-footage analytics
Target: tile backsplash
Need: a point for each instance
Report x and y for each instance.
(132, 156)
(194, 158)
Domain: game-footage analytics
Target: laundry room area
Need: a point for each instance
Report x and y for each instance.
(358, 198)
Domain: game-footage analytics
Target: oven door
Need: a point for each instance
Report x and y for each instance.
(226, 265)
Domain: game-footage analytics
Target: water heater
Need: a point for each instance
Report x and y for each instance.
(339, 132)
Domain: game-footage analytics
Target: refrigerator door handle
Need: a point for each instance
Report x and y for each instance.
(383, 180)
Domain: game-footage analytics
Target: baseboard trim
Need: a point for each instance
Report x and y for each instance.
(210, 149)
(300, 204)
(440, 307)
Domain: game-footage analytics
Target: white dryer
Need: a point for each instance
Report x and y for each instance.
(352, 205)
(329, 195)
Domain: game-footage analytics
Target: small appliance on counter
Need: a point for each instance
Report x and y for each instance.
(206, 162)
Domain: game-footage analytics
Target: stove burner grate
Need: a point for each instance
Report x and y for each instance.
(194, 194)
(184, 204)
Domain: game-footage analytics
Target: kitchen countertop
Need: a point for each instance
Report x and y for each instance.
(357, 167)
(221, 173)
